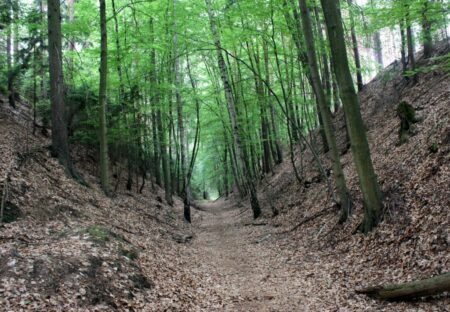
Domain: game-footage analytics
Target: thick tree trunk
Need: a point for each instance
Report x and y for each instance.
(427, 287)
(60, 146)
(104, 162)
(232, 110)
(324, 111)
(373, 207)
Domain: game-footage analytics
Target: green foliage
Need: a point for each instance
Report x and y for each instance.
(259, 45)
(98, 234)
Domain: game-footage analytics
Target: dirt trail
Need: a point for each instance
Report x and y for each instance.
(248, 273)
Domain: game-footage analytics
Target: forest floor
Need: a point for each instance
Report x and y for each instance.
(253, 266)
(247, 275)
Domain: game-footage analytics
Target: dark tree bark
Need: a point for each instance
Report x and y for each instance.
(60, 146)
(9, 45)
(373, 206)
(344, 197)
(104, 161)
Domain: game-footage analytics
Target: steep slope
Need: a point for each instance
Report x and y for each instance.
(413, 241)
(74, 249)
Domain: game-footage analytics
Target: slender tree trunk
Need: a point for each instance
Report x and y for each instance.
(104, 162)
(225, 170)
(378, 48)
(9, 45)
(153, 102)
(410, 39)
(325, 113)
(277, 154)
(426, 29)
(71, 15)
(232, 109)
(34, 91)
(181, 131)
(196, 146)
(164, 158)
(403, 45)
(359, 80)
(373, 206)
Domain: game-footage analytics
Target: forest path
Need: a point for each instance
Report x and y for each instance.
(243, 262)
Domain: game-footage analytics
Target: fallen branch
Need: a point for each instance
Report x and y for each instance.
(427, 287)
(308, 219)
(262, 223)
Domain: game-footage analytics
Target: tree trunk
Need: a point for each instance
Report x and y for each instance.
(154, 103)
(9, 44)
(426, 29)
(410, 39)
(277, 153)
(232, 109)
(164, 158)
(427, 287)
(60, 146)
(181, 131)
(359, 80)
(71, 15)
(378, 48)
(104, 162)
(325, 113)
(403, 46)
(373, 207)
(225, 169)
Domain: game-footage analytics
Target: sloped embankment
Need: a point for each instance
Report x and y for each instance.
(413, 241)
(74, 249)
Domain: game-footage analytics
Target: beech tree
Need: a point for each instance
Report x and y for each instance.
(344, 197)
(373, 206)
(60, 145)
(104, 163)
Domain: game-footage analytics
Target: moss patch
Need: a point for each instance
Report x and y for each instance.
(11, 212)
(407, 115)
(98, 234)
